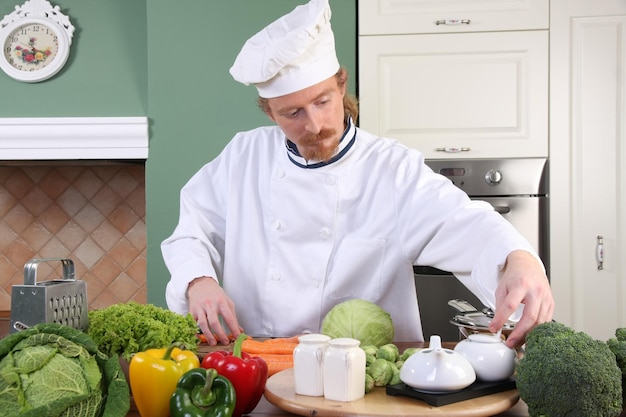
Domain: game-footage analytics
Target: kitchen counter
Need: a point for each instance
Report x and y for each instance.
(265, 408)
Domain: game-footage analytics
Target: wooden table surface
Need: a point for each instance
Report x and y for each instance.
(266, 409)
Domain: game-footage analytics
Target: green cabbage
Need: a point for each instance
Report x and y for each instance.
(55, 370)
(361, 320)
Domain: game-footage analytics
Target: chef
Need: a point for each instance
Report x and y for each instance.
(293, 218)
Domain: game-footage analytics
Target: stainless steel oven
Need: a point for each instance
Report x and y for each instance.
(517, 189)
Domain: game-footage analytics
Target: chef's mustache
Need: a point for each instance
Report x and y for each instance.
(310, 139)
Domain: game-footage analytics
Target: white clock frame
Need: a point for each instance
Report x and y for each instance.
(43, 13)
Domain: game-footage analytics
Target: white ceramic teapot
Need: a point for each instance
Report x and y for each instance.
(490, 357)
(437, 369)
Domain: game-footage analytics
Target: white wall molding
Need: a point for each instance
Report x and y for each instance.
(54, 138)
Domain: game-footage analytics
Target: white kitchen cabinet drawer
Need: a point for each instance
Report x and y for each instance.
(485, 93)
(378, 17)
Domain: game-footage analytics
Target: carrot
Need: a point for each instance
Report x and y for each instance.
(276, 367)
(275, 357)
(292, 339)
(270, 346)
(203, 338)
(276, 362)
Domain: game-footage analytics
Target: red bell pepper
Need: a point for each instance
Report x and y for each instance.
(248, 374)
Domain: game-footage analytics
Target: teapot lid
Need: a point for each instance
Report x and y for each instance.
(486, 337)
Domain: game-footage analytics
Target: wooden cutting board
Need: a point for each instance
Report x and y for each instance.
(280, 392)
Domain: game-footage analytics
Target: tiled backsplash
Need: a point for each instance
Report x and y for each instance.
(92, 213)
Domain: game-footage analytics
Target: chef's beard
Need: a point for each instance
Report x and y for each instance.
(315, 147)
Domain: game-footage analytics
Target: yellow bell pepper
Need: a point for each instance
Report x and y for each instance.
(153, 376)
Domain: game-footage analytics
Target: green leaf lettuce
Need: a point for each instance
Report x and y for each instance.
(127, 328)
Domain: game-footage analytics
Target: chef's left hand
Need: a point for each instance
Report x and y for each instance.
(523, 281)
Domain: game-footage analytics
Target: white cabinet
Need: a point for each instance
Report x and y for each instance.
(381, 17)
(466, 95)
(588, 163)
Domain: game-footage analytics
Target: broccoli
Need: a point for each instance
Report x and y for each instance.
(618, 347)
(568, 373)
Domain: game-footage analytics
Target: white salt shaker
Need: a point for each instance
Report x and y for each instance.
(308, 364)
(344, 370)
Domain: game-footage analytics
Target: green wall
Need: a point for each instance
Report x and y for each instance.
(169, 61)
(105, 74)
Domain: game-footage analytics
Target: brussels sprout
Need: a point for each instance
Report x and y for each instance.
(408, 352)
(381, 371)
(395, 379)
(369, 383)
(370, 353)
(370, 349)
(388, 352)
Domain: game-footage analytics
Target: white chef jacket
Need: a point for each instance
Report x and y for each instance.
(287, 243)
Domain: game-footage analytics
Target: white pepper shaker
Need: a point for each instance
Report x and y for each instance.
(308, 364)
(344, 370)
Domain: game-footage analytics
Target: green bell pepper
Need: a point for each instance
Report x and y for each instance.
(203, 392)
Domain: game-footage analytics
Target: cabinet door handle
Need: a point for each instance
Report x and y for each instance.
(452, 22)
(452, 149)
(600, 252)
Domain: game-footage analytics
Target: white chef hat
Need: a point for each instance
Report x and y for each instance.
(294, 52)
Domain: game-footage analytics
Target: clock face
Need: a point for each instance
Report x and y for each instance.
(31, 47)
(34, 48)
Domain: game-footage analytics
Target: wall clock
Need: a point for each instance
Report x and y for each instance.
(35, 40)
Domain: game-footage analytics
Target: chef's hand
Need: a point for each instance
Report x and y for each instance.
(523, 281)
(207, 303)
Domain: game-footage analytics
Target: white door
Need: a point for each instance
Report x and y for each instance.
(588, 163)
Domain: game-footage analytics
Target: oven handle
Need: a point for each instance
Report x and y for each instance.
(502, 209)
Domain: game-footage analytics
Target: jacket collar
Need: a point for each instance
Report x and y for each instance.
(345, 143)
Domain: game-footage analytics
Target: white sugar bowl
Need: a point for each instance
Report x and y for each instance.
(490, 357)
(437, 369)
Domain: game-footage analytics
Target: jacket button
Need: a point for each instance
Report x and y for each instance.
(324, 233)
(330, 181)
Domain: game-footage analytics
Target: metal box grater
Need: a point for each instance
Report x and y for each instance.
(62, 301)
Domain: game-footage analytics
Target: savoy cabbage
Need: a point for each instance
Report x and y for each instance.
(55, 370)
